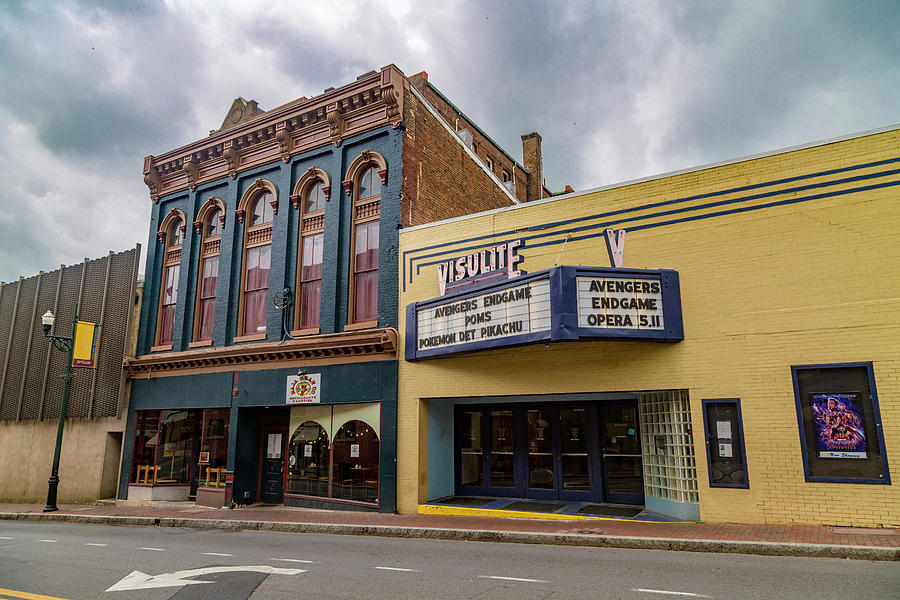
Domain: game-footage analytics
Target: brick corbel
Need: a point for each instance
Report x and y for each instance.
(333, 113)
(285, 140)
(232, 158)
(192, 171)
(151, 179)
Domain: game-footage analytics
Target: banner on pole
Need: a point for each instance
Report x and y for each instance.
(86, 339)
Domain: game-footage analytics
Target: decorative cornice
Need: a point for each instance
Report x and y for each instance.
(372, 101)
(367, 344)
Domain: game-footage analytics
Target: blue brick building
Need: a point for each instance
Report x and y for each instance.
(266, 363)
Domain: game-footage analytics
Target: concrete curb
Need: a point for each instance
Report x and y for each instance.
(879, 553)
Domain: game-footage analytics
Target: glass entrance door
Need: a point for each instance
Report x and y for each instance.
(541, 482)
(622, 465)
(587, 452)
(558, 454)
(574, 457)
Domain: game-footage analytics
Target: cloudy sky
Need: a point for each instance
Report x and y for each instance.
(617, 90)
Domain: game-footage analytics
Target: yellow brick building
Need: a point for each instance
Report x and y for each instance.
(779, 405)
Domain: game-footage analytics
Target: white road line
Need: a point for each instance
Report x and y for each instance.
(154, 549)
(49, 541)
(99, 545)
(217, 554)
(295, 560)
(398, 569)
(6, 538)
(670, 593)
(513, 579)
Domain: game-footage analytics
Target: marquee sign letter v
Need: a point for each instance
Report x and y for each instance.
(615, 245)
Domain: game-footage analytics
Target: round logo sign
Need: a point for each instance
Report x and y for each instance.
(304, 387)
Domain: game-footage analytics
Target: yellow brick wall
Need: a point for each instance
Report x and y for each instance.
(806, 283)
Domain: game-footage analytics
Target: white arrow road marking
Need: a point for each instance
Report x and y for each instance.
(137, 580)
(670, 593)
(296, 560)
(513, 579)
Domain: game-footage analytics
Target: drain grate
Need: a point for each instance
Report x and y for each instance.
(534, 507)
(600, 510)
(864, 531)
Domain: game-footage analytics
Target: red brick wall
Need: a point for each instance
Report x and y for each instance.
(484, 147)
(440, 180)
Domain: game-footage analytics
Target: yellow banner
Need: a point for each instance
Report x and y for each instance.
(86, 335)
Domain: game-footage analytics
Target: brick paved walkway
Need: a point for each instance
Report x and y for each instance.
(790, 534)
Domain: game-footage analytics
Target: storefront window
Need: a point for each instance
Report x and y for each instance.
(334, 452)
(163, 447)
(214, 447)
(146, 438)
(840, 423)
(175, 450)
(308, 461)
(355, 462)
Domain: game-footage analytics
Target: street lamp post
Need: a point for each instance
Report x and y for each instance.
(67, 345)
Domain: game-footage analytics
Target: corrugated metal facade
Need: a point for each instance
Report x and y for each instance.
(31, 370)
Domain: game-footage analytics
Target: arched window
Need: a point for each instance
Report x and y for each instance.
(215, 223)
(259, 204)
(210, 225)
(357, 454)
(171, 234)
(312, 192)
(262, 210)
(308, 461)
(366, 175)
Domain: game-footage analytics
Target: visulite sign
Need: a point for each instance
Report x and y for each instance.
(562, 303)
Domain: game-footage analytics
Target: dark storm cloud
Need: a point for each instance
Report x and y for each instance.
(773, 76)
(617, 90)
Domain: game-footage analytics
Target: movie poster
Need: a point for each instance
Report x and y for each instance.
(839, 425)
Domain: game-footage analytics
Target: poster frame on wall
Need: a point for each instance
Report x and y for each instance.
(847, 378)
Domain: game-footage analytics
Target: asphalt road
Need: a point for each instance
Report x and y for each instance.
(82, 562)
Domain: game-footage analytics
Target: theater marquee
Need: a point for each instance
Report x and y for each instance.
(562, 303)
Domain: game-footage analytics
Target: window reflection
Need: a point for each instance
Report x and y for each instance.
(355, 459)
(308, 461)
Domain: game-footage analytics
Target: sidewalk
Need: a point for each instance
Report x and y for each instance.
(781, 540)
